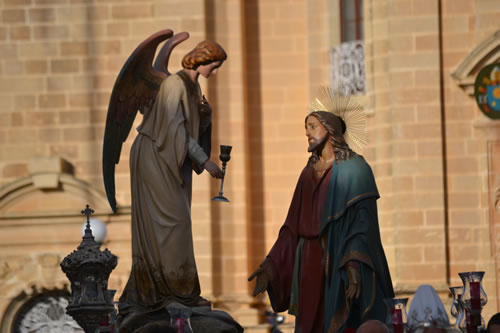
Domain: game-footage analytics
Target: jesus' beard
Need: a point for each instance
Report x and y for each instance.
(317, 145)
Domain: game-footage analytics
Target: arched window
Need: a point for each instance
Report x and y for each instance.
(351, 20)
(348, 58)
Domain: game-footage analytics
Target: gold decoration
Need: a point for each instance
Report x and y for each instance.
(351, 112)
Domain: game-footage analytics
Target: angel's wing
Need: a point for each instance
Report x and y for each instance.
(136, 87)
(161, 62)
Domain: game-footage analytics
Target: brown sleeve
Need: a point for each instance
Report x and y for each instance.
(281, 258)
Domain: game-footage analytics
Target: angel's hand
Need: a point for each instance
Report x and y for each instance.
(205, 107)
(213, 169)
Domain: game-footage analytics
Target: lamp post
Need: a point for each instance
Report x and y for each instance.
(88, 269)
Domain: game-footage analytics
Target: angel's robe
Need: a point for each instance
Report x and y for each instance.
(162, 158)
(296, 257)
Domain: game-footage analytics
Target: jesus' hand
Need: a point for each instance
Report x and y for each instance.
(354, 288)
(263, 276)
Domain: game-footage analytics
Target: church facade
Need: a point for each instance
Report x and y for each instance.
(411, 64)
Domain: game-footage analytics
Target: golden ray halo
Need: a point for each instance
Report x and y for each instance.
(332, 100)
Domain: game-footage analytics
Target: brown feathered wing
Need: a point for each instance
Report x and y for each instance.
(135, 88)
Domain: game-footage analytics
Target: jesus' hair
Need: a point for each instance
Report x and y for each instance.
(335, 127)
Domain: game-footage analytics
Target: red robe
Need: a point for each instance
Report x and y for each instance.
(303, 221)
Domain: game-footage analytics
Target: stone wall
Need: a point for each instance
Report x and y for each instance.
(473, 243)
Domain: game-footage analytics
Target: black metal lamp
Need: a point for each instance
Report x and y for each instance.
(88, 269)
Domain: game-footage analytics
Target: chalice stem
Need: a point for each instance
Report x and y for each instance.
(225, 156)
(222, 179)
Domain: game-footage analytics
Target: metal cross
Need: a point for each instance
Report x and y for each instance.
(87, 212)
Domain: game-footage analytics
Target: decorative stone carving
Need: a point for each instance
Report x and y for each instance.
(488, 52)
(47, 314)
(348, 67)
(51, 189)
(31, 275)
(4, 271)
(46, 170)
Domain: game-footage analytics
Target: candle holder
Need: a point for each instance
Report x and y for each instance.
(397, 318)
(455, 293)
(457, 310)
(474, 297)
(225, 156)
(180, 317)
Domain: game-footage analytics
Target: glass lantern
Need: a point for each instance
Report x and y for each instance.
(180, 318)
(474, 297)
(473, 294)
(463, 318)
(455, 293)
(397, 317)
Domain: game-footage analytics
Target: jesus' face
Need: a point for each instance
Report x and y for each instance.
(316, 133)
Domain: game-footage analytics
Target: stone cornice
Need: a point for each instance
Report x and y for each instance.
(486, 53)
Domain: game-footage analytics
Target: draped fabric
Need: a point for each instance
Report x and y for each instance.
(427, 310)
(161, 162)
(298, 249)
(350, 226)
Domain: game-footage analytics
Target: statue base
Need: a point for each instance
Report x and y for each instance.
(200, 319)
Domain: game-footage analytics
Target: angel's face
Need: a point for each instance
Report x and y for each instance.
(210, 69)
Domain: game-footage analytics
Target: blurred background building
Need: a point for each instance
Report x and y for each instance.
(411, 64)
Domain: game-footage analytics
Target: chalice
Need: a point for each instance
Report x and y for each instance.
(225, 156)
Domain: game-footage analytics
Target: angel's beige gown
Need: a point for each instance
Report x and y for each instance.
(161, 162)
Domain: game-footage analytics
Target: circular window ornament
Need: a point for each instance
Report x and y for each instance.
(46, 313)
(487, 90)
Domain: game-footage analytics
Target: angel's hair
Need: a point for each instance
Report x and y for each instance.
(204, 53)
(335, 127)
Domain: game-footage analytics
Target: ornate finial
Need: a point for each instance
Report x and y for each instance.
(88, 231)
(87, 212)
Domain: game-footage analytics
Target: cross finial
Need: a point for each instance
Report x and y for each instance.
(88, 231)
(87, 212)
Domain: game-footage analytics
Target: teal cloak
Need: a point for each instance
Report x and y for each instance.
(349, 226)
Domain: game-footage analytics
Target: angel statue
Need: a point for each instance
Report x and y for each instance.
(173, 139)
